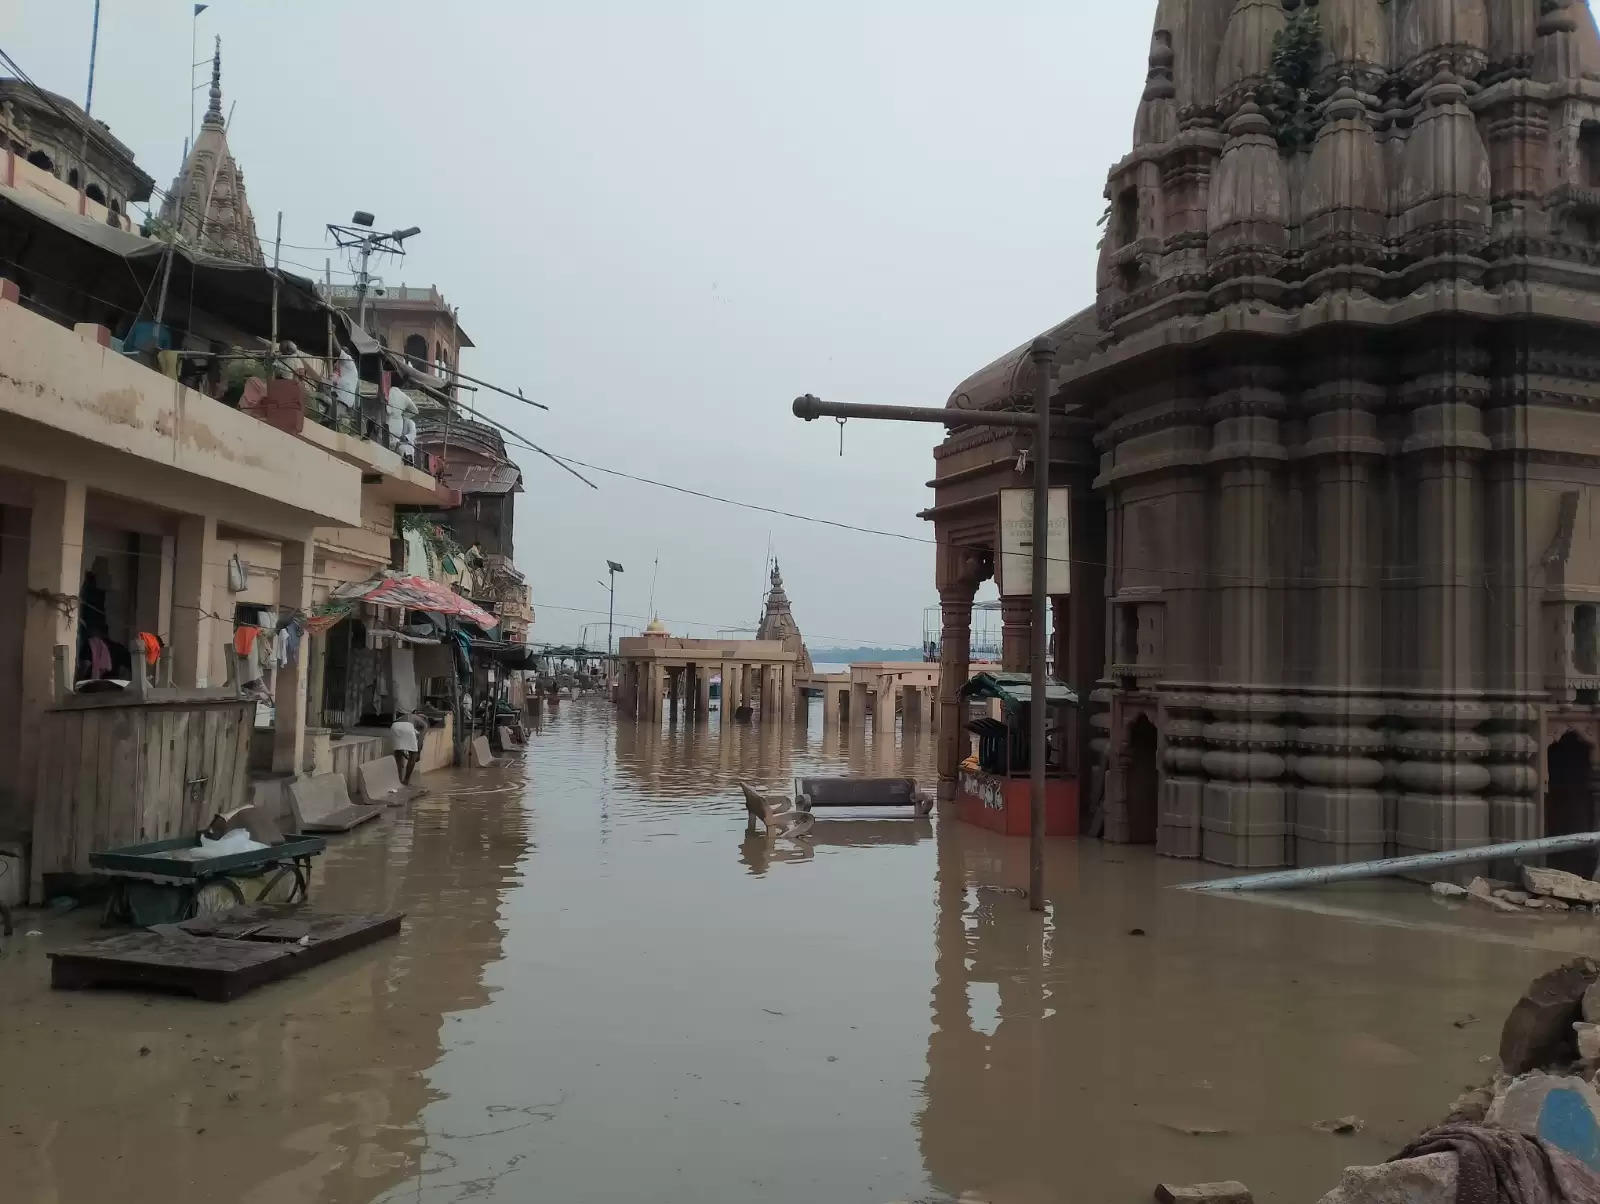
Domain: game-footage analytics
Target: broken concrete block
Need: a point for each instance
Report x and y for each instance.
(1559, 884)
(1226, 1192)
(1538, 1032)
(1471, 1106)
(1483, 890)
(1563, 1110)
(1448, 890)
(1590, 1007)
(1588, 1036)
(1541, 903)
(1430, 1179)
(1519, 897)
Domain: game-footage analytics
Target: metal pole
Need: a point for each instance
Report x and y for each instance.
(1320, 875)
(611, 612)
(94, 47)
(1042, 355)
(277, 249)
(361, 284)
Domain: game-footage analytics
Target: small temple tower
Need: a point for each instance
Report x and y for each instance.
(778, 623)
(207, 202)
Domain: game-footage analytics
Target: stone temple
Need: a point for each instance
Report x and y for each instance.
(1332, 435)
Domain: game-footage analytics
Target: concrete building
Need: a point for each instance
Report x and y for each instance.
(53, 147)
(658, 672)
(1330, 432)
(415, 321)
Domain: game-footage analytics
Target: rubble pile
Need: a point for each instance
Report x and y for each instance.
(1541, 890)
(1530, 1135)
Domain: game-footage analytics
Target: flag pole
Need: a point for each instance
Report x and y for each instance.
(94, 46)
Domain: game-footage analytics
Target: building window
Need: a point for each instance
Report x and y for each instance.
(417, 348)
(1127, 216)
(1585, 652)
(95, 193)
(1129, 644)
(39, 159)
(72, 177)
(1589, 153)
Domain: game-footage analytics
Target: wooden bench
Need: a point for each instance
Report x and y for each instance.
(860, 792)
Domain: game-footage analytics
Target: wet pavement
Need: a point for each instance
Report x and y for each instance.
(605, 991)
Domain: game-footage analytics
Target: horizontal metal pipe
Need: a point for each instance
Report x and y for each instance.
(809, 408)
(1322, 874)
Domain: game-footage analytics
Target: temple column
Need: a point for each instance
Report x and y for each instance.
(702, 694)
(830, 706)
(858, 705)
(1016, 634)
(955, 657)
(1443, 770)
(883, 708)
(1244, 804)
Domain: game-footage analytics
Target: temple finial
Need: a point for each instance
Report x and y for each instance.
(214, 109)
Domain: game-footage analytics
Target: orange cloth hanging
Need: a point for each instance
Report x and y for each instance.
(244, 639)
(152, 646)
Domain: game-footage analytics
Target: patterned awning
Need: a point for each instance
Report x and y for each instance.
(413, 593)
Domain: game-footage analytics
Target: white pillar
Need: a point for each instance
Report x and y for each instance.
(55, 569)
(196, 637)
(295, 578)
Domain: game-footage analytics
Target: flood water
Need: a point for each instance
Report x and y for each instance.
(605, 991)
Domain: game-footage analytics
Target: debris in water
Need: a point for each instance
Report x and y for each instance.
(144, 1051)
(1343, 1126)
(1227, 1192)
(771, 1012)
(1136, 932)
(1195, 1130)
(1448, 890)
(1465, 1020)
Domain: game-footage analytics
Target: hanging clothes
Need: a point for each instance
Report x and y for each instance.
(289, 645)
(244, 639)
(403, 673)
(150, 644)
(99, 657)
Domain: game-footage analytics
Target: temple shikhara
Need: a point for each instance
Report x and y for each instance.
(1332, 434)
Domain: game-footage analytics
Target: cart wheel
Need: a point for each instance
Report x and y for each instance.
(281, 887)
(216, 896)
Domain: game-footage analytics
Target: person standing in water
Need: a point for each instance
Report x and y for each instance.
(407, 733)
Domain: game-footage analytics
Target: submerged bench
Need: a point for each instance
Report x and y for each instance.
(860, 792)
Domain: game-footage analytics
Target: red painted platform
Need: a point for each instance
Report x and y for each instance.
(1001, 804)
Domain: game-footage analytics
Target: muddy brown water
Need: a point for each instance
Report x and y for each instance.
(605, 991)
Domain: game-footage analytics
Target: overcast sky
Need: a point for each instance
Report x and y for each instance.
(666, 220)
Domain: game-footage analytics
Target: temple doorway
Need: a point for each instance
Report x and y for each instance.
(1142, 781)
(1569, 799)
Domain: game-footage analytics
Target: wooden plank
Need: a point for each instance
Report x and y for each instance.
(108, 791)
(241, 756)
(210, 755)
(154, 754)
(86, 788)
(45, 822)
(170, 802)
(66, 748)
(121, 782)
(211, 969)
(195, 781)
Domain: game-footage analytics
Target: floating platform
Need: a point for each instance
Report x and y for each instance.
(220, 957)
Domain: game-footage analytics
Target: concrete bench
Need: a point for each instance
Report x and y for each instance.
(860, 792)
(322, 804)
(380, 784)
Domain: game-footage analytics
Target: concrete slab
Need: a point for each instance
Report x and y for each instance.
(380, 784)
(482, 758)
(322, 804)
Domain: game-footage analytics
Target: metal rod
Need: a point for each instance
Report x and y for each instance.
(94, 47)
(1042, 355)
(277, 249)
(1322, 874)
(811, 408)
(460, 375)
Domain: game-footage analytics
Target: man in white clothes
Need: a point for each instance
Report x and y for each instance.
(406, 732)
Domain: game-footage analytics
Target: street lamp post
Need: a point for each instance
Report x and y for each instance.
(364, 240)
(611, 611)
(1043, 356)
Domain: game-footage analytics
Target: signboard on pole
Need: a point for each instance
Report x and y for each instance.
(1015, 575)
